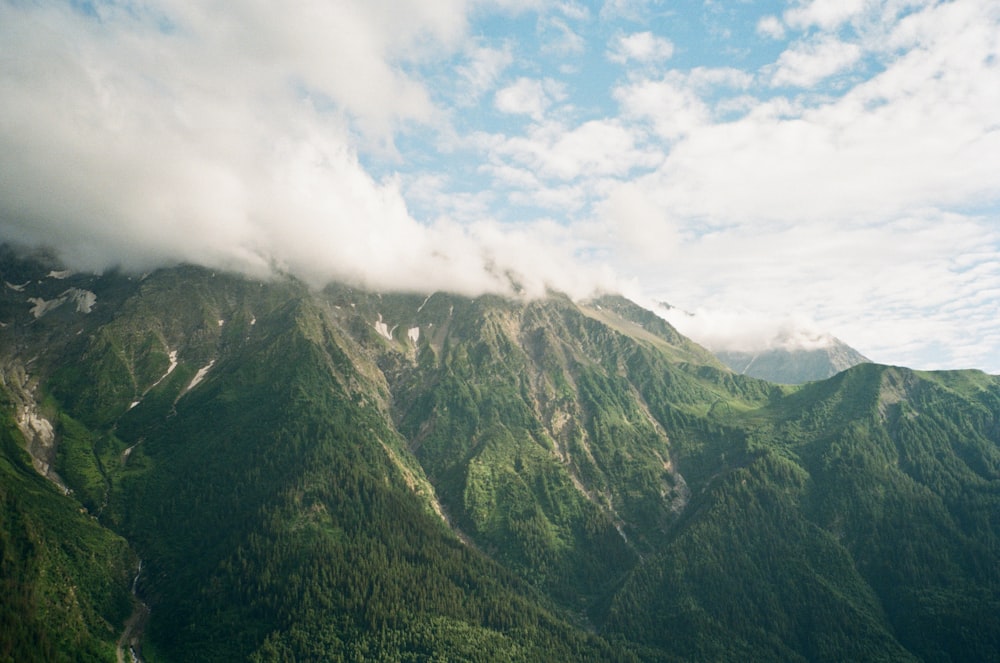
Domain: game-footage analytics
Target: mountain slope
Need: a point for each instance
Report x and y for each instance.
(64, 579)
(346, 474)
(864, 525)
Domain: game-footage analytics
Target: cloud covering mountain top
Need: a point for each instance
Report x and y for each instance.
(835, 161)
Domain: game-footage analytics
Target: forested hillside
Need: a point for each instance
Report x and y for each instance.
(348, 475)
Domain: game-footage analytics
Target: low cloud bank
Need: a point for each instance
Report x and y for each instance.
(149, 137)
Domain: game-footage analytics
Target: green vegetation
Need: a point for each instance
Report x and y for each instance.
(352, 476)
(64, 579)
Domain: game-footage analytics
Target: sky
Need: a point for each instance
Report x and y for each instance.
(776, 169)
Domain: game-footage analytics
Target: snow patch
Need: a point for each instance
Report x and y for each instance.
(199, 376)
(84, 300)
(133, 404)
(41, 307)
(253, 321)
(59, 275)
(128, 452)
(170, 369)
(382, 328)
(413, 333)
(16, 288)
(421, 307)
(221, 322)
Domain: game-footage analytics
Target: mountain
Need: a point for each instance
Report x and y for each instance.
(344, 474)
(794, 365)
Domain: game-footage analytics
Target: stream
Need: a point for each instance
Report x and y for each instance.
(130, 644)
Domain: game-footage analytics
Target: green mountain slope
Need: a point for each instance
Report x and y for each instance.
(862, 526)
(64, 579)
(352, 475)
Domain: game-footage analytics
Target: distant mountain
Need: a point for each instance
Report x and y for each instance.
(794, 365)
(344, 474)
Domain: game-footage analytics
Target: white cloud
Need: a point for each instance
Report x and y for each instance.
(574, 10)
(559, 38)
(483, 69)
(737, 330)
(634, 10)
(771, 27)
(834, 206)
(526, 96)
(810, 61)
(595, 148)
(892, 290)
(229, 139)
(825, 14)
(920, 134)
(638, 223)
(671, 104)
(230, 134)
(642, 47)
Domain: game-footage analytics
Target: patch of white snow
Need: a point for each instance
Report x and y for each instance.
(41, 306)
(16, 288)
(221, 322)
(170, 369)
(199, 376)
(128, 452)
(133, 404)
(382, 328)
(413, 333)
(59, 275)
(420, 308)
(84, 299)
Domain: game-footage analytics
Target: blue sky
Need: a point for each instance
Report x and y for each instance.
(779, 169)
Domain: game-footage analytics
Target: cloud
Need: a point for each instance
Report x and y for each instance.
(850, 178)
(483, 69)
(746, 331)
(922, 133)
(674, 107)
(526, 96)
(559, 38)
(771, 27)
(592, 149)
(638, 223)
(825, 14)
(642, 47)
(227, 134)
(897, 291)
(871, 210)
(813, 60)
